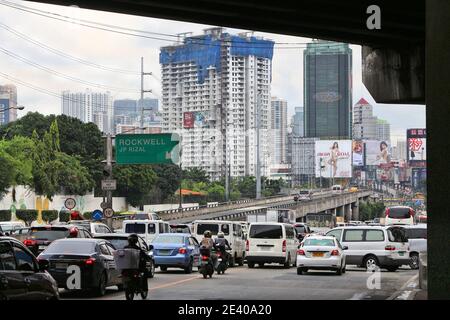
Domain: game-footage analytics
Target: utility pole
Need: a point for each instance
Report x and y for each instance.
(109, 174)
(142, 93)
(258, 160)
(180, 207)
(227, 175)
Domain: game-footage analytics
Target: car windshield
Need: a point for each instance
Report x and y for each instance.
(202, 227)
(118, 243)
(139, 216)
(49, 234)
(169, 239)
(139, 228)
(397, 235)
(399, 213)
(300, 229)
(179, 229)
(304, 192)
(266, 231)
(71, 247)
(319, 242)
(416, 233)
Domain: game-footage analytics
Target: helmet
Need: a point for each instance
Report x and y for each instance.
(207, 234)
(132, 239)
(220, 235)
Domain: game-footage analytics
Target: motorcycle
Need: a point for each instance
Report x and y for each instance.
(206, 264)
(133, 284)
(222, 261)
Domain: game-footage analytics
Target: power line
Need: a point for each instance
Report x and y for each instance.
(62, 75)
(102, 26)
(63, 54)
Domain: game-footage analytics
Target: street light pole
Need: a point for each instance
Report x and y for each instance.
(258, 160)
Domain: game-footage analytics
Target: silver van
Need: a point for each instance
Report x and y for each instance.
(371, 246)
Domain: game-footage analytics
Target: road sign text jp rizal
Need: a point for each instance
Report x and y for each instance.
(147, 148)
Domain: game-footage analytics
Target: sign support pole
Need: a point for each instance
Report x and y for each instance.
(109, 221)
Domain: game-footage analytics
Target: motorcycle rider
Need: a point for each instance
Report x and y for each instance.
(208, 243)
(222, 245)
(143, 258)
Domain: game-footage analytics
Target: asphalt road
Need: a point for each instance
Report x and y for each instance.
(267, 283)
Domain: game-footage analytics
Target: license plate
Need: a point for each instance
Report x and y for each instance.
(164, 252)
(42, 247)
(317, 254)
(401, 254)
(220, 259)
(61, 265)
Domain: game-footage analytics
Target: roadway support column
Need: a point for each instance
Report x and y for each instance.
(437, 79)
(355, 210)
(348, 212)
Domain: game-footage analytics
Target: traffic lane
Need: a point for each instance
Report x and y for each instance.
(160, 280)
(274, 282)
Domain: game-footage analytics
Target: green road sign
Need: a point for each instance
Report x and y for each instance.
(147, 148)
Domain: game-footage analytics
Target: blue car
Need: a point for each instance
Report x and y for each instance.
(176, 250)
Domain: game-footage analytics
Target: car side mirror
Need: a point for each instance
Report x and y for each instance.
(150, 247)
(344, 248)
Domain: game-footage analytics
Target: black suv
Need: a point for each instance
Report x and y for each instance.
(39, 238)
(21, 278)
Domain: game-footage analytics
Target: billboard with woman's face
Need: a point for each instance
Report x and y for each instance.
(377, 152)
(333, 158)
(358, 153)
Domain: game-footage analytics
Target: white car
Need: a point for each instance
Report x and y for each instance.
(93, 227)
(9, 226)
(321, 253)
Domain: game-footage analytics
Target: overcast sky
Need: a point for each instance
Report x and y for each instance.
(123, 52)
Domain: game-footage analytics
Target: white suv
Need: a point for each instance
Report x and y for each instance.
(370, 246)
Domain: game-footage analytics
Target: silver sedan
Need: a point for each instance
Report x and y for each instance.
(321, 253)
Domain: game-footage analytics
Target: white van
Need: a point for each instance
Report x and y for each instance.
(148, 229)
(9, 226)
(271, 242)
(370, 246)
(399, 215)
(337, 189)
(233, 233)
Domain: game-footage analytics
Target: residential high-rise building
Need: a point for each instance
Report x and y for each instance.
(279, 130)
(383, 130)
(298, 128)
(327, 89)
(8, 100)
(364, 123)
(399, 151)
(90, 106)
(214, 88)
(302, 166)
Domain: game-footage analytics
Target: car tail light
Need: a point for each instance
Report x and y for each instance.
(284, 246)
(73, 232)
(90, 261)
(29, 242)
(301, 252)
(387, 212)
(182, 250)
(247, 245)
(335, 252)
(389, 247)
(205, 258)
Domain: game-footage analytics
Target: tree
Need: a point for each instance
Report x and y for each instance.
(135, 182)
(19, 150)
(72, 177)
(247, 187)
(196, 175)
(6, 172)
(216, 192)
(168, 179)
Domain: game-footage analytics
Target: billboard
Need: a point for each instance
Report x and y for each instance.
(193, 119)
(358, 153)
(4, 116)
(377, 152)
(416, 143)
(333, 158)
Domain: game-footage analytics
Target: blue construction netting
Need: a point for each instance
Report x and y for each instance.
(204, 51)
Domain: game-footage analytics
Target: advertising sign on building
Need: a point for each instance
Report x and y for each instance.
(333, 158)
(193, 120)
(416, 147)
(377, 153)
(358, 153)
(419, 178)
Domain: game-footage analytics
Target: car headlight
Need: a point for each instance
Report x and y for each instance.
(150, 253)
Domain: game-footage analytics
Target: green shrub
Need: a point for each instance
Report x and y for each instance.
(64, 216)
(49, 215)
(87, 215)
(27, 215)
(5, 215)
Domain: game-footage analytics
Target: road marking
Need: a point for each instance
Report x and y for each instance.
(170, 284)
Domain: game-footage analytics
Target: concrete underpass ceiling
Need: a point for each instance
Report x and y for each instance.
(402, 28)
